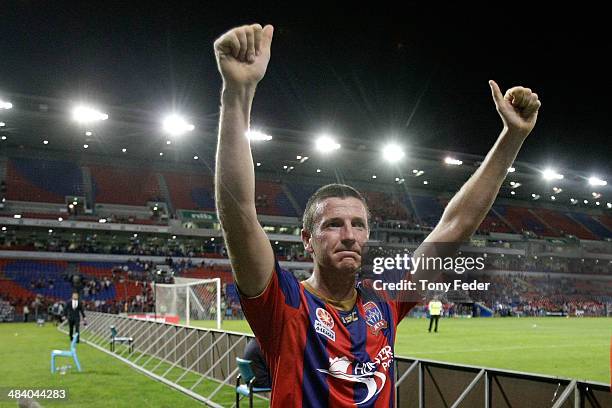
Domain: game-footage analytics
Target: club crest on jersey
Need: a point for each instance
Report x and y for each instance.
(325, 324)
(374, 317)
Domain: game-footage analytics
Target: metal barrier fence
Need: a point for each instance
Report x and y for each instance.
(202, 364)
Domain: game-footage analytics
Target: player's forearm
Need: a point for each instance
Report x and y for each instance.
(471, 204)
(234, 174)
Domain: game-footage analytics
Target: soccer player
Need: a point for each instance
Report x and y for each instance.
(435, 310)
(326, 341)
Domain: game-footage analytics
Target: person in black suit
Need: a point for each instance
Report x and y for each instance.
(258, 364)
(74, 311)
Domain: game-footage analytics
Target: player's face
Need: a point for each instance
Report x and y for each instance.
(340, 232)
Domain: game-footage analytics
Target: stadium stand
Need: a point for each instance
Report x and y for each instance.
(492, 223)
(605, 220)
(190, 191)
(592, 224)
(563, 224)
(522, 220)
(428, 209)
(385, 206)
(39, 277)
(48, 181)
(114, 185)
(302, 192)
(270, 199)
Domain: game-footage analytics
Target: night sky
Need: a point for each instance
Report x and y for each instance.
(417, 72)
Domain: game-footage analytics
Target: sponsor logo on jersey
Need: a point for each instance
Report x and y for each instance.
(350, 318)
(374, 318)
(325, 324)
(357, 372)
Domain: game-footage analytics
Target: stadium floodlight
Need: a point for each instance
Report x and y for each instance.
(45, 142)
(596, 181)
(257, 136)
(393, 153)
(425, 182)
(168, 142)
(514, 184)
(17, 216)
(318, 170)
(176, 125)
(553, 198)
(609, 205)
(85, 146)
(325, 144)
(418, 173)
(535, 196)
(195, 157)
(374, 176)
(573, 201)
(550, 174)
(557, 190)
(60, 219)
(2, 124)
(3, 137)
(511, 169)
(5, 105)
(161, 153)
(596, 195)
(88, 133)
(586, 201)
(597, 202)
(124, 150)
(513, 192)
(3, 228)
(258, 164)
(102, 221)
(86, 114)
(452, 161)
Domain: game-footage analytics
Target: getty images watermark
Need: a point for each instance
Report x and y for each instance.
(442, 268)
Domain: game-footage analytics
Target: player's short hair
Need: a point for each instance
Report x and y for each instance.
(329, 191)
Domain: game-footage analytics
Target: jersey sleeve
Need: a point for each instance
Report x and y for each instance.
(268, 312)
(401, 309)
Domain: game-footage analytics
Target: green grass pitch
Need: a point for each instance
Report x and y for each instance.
(574, 348)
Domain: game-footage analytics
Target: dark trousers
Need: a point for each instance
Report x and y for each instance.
(431, 320)
(74, 324)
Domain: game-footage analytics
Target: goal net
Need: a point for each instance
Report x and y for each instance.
(190, 299)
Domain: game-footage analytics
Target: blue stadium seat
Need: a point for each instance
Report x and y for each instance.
(594, 226)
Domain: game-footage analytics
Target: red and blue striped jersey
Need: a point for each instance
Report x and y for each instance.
(320, 356)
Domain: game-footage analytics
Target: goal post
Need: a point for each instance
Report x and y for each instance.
(190, 299)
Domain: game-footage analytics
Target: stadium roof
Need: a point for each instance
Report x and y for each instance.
(33, 120)
(414, 70)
